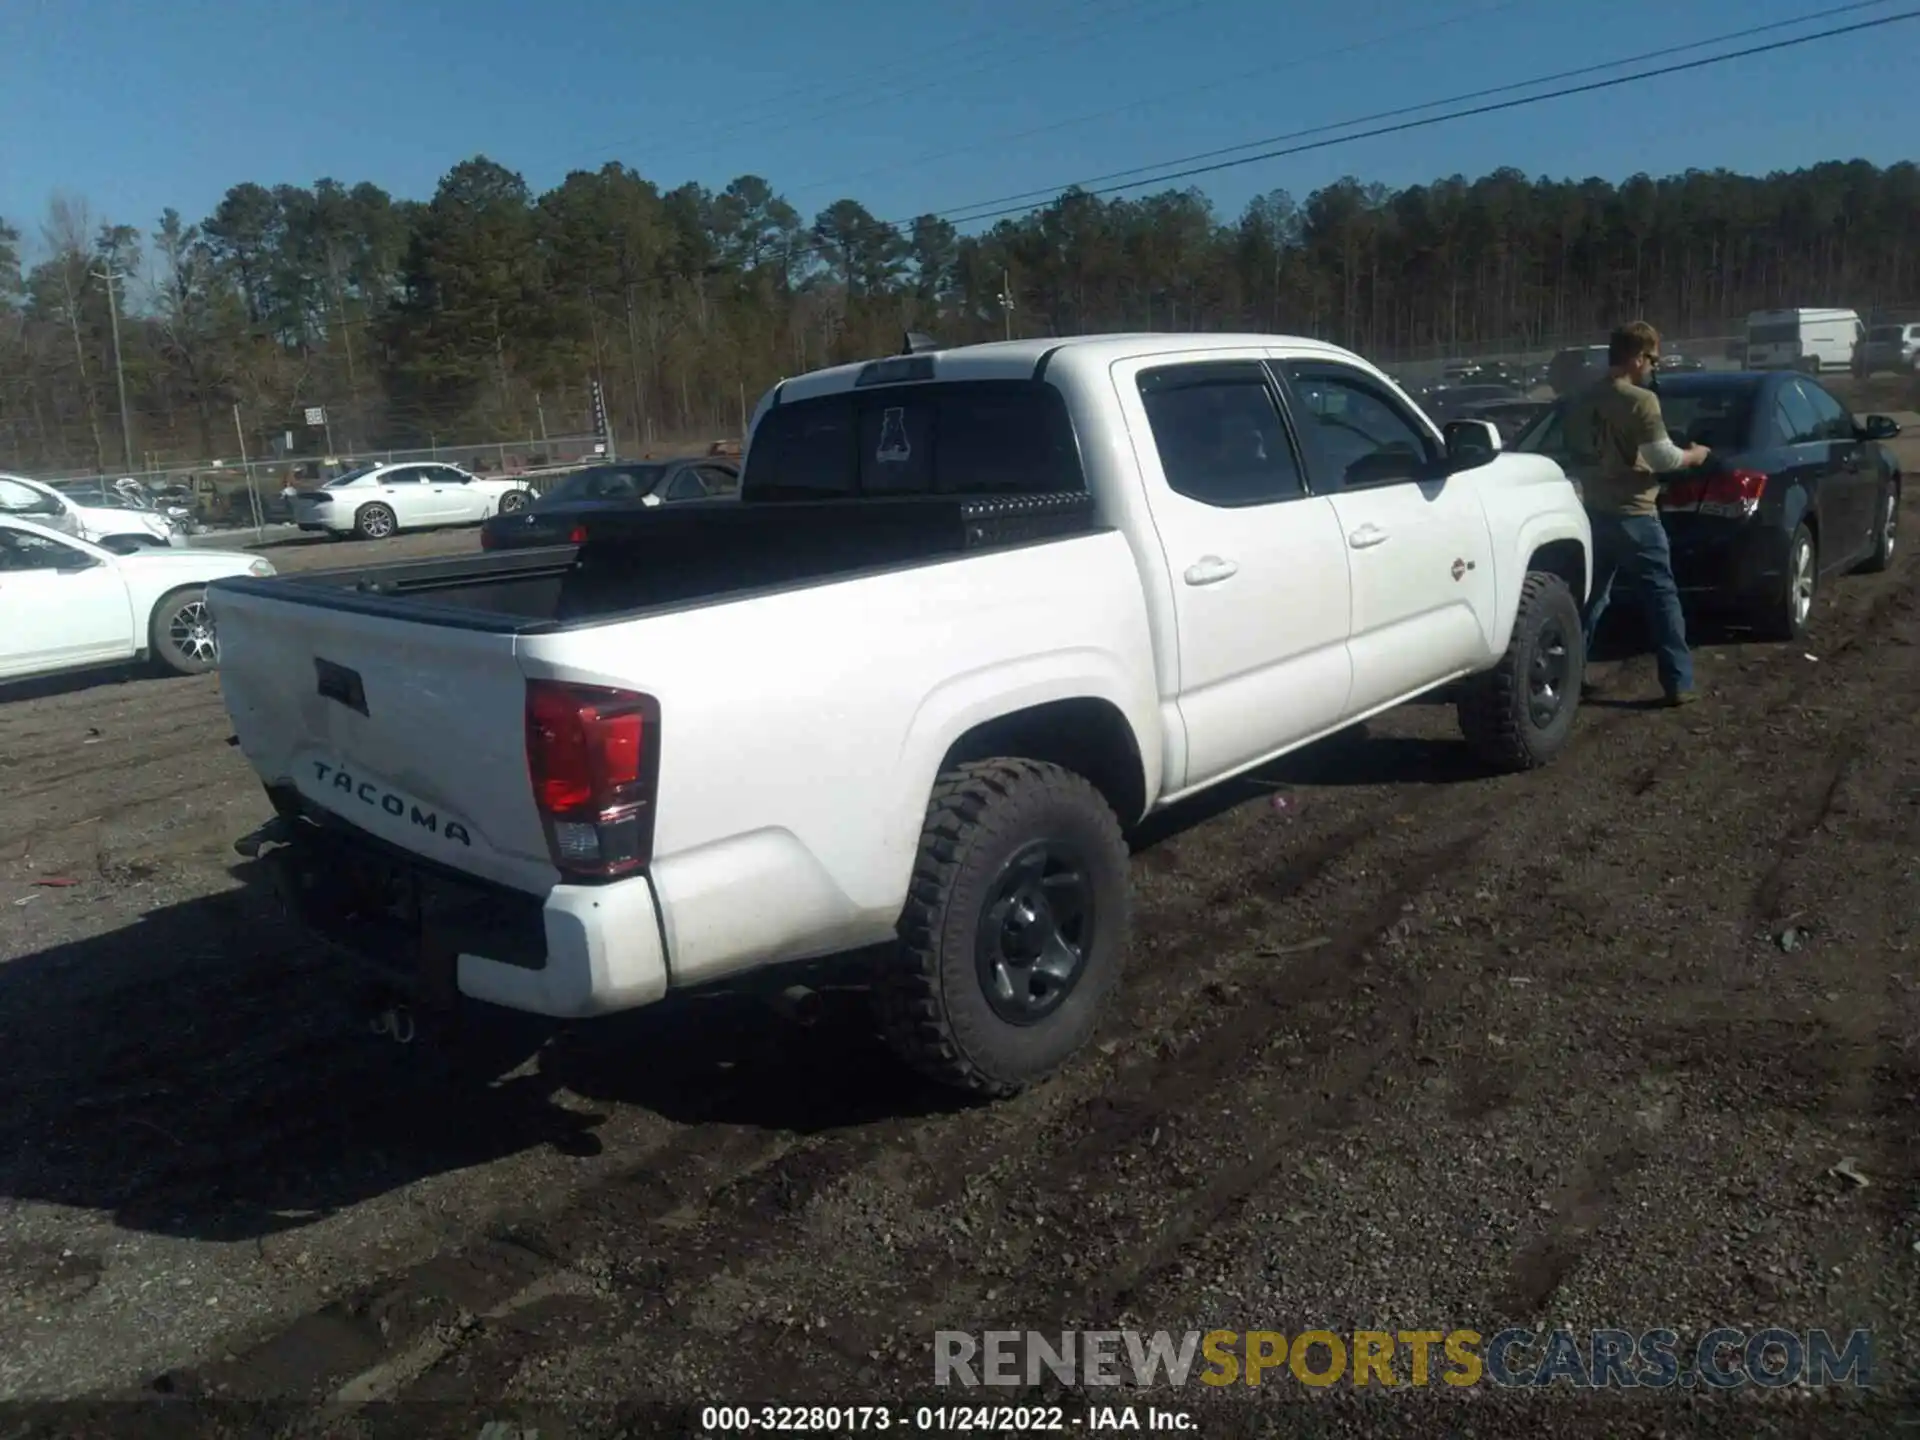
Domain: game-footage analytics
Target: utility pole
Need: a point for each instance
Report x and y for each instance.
(112, 276)
(540, 409)
(253, 492)
(1006, 301)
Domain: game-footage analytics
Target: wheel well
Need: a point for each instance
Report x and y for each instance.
(1566, 559)
(1087, 736)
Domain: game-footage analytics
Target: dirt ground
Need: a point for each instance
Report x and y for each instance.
(1401, 1047)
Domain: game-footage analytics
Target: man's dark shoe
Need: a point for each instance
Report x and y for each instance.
(1677, 698)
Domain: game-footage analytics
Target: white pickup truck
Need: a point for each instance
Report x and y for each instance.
(976, 613)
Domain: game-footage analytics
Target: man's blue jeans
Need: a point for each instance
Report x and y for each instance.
(1634, 548)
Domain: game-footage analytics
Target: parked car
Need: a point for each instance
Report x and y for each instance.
(376, 501)
(1890, 347)
(976, 614)
(1455, 402)
(560, 516)
(103, 517)
(1810, 341)
(1575, 367)
(68, 604)
(1797, 490)
(1672, 361)
(1509, 416)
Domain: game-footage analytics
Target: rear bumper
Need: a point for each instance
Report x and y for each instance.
(1725, 564)
(433, 934)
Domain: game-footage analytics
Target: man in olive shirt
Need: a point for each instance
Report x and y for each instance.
(1619, 448)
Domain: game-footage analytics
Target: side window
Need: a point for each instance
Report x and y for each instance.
(686, 486)
(1361, 432)
(447, 475)
(18, 499)
(1798, 424)
(405, 475)
(1834, 422)
(719, 480)
(22, 552)
(1220, 434)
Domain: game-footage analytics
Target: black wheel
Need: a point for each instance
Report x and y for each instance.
(374, 522)
(1883, 532)
(1015, 928)
(514, 500)
(1785, 616)
(1519, 715)
(180, 636)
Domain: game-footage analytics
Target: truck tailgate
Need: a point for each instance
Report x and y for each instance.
(412, 731)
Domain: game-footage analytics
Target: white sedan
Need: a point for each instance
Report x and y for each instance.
(116, 523)
(67, 604)
(376, 501)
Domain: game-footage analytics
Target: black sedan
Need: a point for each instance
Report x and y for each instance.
(1797, 490)
(560, 516)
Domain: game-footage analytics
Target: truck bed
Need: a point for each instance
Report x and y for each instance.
(652, 560)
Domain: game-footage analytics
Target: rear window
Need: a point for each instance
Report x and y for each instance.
(1717, 418)
(975, 437)
(1773, 334)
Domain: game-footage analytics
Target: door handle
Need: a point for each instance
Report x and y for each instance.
(1366, 536)
(1210, 570)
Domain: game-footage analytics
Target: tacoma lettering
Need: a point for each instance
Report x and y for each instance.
(368, 793)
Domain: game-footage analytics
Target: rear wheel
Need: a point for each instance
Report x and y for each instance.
(374, 522)
(514, 500)
(1883, 531)
(1519, 715)
(1786, 615)
(180, 636)
(1014, 931)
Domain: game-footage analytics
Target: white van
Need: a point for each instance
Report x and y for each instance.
(1808, 340)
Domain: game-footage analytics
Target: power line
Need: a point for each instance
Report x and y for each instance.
(1023, 200)
(1299, 62)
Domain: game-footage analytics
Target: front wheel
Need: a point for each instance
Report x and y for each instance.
(1015, 928)
(181, 636)
(1786, 615)
(1519, 715)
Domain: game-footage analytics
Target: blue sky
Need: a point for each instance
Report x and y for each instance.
(134, 105)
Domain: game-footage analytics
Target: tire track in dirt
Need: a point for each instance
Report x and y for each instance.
(62, 780)
(142, 705)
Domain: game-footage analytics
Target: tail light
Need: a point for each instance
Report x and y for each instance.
(1734, 493)
(577, 535)
(593, 755)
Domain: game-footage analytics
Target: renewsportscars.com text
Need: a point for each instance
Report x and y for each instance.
(1600, 1359)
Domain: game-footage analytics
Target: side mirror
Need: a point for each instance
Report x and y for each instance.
(1471, 442)
(1879, 427)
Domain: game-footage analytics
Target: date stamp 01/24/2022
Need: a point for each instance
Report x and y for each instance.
(943, 1419)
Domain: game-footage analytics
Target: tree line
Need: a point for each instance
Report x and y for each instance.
(483, 312)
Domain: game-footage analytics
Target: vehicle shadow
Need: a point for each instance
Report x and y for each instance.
(75, 682)
(209, 1073)
(1353, 756)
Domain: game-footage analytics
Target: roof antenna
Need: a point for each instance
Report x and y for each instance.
(917, 343)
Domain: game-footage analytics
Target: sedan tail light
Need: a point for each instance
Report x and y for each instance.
(1734, 494)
